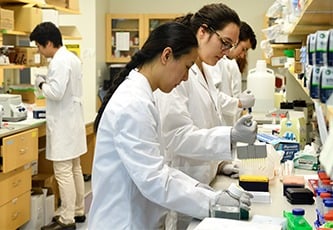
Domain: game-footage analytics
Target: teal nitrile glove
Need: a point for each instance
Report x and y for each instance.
(245, 130)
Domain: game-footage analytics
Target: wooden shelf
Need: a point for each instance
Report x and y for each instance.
(13, 66)
(317, 15)
(70, 33)
(41, 4)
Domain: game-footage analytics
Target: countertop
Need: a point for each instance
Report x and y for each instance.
(279, 202)
(9, 128)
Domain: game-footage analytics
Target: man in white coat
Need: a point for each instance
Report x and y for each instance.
(65, 134)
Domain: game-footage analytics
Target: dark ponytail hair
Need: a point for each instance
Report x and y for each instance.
(215, 16)
(175, 35)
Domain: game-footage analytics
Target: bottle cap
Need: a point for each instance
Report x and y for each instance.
(298, 212)
(325, 195)
(328, 203)
(328, 215)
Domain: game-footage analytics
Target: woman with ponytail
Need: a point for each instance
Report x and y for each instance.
(132, 186)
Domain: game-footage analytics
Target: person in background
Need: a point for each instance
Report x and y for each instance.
(132, 186)
(227, 76)
(227, 73)
(190, 115)
(65, 126)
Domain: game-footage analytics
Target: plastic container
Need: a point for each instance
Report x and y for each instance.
(261, 82)
(314, 82)
(322, 39)
(320, 205)
(328, 205)
(325, 83)
(330, 49)
(296, 220)
(311, 47)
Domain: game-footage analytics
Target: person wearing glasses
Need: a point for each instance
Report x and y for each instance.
(227, 73)
(191, 114)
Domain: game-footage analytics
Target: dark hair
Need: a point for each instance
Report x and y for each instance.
(215, 16)
(245, 33)
(172, 34)
(46, 31)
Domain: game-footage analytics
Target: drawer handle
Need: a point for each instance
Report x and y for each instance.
(22, 151)
(15, 215)
(16, 183)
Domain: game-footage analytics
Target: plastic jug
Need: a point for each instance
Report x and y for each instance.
(261, 82)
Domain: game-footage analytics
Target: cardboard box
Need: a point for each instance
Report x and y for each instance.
(59, 3)
(73, 4)
(26, 17)
(288, 147)
(50, 15)
(26, 91)
(25, 56)
(279, 57)
(37, 212)
(48, 206)
(6, 19)
(45, 180)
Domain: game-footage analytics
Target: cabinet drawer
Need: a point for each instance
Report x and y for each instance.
(14, 183)
(16, 212)
(19, 149)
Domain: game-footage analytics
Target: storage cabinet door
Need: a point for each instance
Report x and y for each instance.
(19, 149)
(124, 36)
(14, 183)
(16, 212)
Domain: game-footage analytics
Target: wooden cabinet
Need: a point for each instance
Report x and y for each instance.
(16, 212)
(17, 152)
(126, 33)
(124, 36)
(19, 149)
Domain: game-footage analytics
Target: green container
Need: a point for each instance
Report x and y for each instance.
(296, 220)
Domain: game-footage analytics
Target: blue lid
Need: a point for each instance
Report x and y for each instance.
(298, 211)
(320, 190)
(328, 203)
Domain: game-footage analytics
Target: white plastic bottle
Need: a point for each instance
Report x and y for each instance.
(261, 82)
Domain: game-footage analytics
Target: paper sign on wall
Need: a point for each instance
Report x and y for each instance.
(122, 41)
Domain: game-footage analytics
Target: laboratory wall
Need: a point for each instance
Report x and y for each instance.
(91, 25)
(251, 11)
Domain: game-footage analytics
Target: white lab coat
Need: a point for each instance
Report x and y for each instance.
(190, 116)
(228, 80)
(131, 184)
(65, 133)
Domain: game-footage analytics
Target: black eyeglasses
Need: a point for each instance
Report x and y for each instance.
(225, 44)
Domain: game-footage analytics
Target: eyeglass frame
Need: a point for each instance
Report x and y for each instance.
(225, 45)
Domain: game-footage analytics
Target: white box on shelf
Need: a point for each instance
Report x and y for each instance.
(50, 15)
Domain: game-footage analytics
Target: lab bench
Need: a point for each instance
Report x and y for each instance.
(278, 203)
